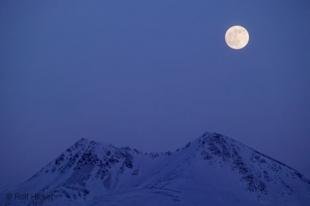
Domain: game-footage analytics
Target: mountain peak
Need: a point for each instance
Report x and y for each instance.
(213, 168)
(82, 140)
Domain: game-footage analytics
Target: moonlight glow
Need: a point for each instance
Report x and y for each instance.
(237, 37)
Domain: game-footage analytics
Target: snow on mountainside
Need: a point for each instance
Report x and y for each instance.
(211, 170)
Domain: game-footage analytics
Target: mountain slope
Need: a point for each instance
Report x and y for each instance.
(211, 170)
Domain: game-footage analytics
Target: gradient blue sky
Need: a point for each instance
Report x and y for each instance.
(152, 75)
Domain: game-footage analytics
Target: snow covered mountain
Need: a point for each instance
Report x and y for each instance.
(212, 170)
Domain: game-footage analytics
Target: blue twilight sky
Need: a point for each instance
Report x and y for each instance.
(152, 75)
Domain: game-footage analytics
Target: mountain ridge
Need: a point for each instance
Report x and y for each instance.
(92, 173)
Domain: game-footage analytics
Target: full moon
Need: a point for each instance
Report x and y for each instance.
(237, 37)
